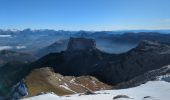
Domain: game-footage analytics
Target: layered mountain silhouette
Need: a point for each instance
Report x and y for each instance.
(57, 46)
(105, 41)
(119, 67)
(83, 58)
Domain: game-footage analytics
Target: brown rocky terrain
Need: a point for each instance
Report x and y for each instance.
(46, 80)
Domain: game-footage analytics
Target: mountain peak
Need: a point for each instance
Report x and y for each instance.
(81, 44)
(146, 45)
(149, 43)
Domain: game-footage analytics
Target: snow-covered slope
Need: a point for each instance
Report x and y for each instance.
(152, 90)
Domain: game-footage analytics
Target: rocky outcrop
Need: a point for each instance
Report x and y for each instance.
(81, 44)
(18, 91)
(11, 74)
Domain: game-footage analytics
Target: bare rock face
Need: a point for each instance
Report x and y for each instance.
(81, 44)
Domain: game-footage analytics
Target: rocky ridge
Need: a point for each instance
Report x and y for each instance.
(119, 67)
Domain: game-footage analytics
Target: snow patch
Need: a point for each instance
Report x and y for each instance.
(72, 80)
(67, 87)
(48, 96)
(94, 82)
(164, 78)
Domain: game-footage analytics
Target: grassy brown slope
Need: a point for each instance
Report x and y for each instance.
(42, 80)
(45, 80)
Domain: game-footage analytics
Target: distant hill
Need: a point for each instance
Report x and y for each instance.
(13, 56)
(58, 46)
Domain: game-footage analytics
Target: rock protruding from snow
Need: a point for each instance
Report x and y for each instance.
(17, 92)
(81, 44)
(121, 96)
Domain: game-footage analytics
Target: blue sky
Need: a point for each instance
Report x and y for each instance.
(85, 14)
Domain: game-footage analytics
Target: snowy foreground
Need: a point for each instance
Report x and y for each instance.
(152, 90)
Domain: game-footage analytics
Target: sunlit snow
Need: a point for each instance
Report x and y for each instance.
(152, 90)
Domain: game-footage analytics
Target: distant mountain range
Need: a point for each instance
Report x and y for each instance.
(110, 43)
(32, 41)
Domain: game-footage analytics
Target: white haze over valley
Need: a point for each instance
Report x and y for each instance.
(12, 47)
(5, 36)
(5, 47)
